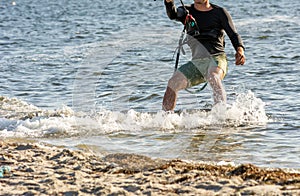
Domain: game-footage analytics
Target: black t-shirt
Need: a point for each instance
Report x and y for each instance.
(211, 24)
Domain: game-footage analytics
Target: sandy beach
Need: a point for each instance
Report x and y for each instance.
(39, 169)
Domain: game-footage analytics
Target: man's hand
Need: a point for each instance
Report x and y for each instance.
(240, 58)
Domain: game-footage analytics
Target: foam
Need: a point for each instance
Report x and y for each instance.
(246, 110)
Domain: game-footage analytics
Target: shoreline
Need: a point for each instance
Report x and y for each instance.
(36, 169)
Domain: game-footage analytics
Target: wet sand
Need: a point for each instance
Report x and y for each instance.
(40, 169)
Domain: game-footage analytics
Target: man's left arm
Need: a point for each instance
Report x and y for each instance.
(235, 38)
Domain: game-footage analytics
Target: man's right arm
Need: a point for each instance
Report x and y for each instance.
(173, 12)
(171, 9)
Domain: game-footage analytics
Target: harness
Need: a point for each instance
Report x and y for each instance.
(190, 28)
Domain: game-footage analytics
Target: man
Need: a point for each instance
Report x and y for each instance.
(211, 22)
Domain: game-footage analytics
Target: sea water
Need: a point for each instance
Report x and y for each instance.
(93, 74)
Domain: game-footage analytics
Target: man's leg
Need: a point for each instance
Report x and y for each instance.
(215, 76)
(177, 82)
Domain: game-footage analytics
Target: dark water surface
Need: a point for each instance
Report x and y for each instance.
(76, 66)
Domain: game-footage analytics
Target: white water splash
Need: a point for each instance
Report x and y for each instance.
(246, 110)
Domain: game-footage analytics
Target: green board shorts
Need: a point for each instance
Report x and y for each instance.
(196, 69)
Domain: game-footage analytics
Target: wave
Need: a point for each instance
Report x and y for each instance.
(21, 119)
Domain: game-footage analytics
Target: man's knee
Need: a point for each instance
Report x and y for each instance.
(173, 83)
(216, 73)
(212, 77)
(177, 82)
